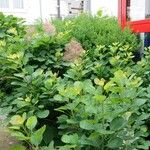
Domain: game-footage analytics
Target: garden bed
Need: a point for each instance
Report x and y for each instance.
(74, 84)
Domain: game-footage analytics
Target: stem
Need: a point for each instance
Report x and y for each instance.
(103, 123)
(28, 135)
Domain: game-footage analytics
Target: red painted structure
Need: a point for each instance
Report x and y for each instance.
(136, 26)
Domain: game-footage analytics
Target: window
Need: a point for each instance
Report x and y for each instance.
(136, 10)
(4, 3)
(18, 4)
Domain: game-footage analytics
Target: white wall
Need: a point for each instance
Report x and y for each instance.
(49, 9)
(109, 7)
(16, 12)
(31, 12)
(32, 8)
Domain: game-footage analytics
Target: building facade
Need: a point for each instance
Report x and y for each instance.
(31, 10)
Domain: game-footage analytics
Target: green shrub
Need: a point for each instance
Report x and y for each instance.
(11, 28)
(91, 31)
(30, 74)
(12, 48)
(102, 62)
(142, 67)
(100, 115)
(55, 103)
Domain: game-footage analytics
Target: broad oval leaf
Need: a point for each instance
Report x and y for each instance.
(115, 143)
(43, 113)
(17, 120)
(48, 83)
(117, 123)
(31, 122)
(140, 101)
(71, 139)
(58, 97)
(87, 124)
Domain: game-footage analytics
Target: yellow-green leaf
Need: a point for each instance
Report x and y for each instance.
(17, 120)
(31, 122)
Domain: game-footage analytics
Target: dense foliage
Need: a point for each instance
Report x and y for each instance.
(93, 31)
(75, 86)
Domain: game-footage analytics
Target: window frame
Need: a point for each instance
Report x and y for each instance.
(5, 7)
(14, 4)
(11, 8)
(138, 26)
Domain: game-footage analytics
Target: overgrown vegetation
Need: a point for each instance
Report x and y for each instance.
(93, 31)
(74, 84)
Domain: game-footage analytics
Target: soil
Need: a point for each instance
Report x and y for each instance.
(6, 141)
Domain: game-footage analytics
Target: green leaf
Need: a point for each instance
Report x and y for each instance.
(15, 127)
(87, 124)
(37, 136)
(67, 147)
(144, 146)
(91, 140)
(140, 101)
(17, 120)
(37, 73)
(58, 97)
(21, 104)
(48, 83)
(108, 86)
(88, 87)
(43, 113)
(62, 119)
(115, 143)
(17, 147)
(2, 35)
(19, 135)
(50, 133)
(117, 123)
(71, 139)
(31, 122)
(20, 75)
(104, 132)
(50, 147)
(99, 98)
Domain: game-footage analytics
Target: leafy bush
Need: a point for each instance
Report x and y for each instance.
(102, 62)
(11, 28)
(91, 31)
(100, 115)
(59, 102)
(30, 69)
(142, 67)
(12, 46)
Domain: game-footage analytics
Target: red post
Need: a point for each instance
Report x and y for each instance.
(122, 12)
(138, 26)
